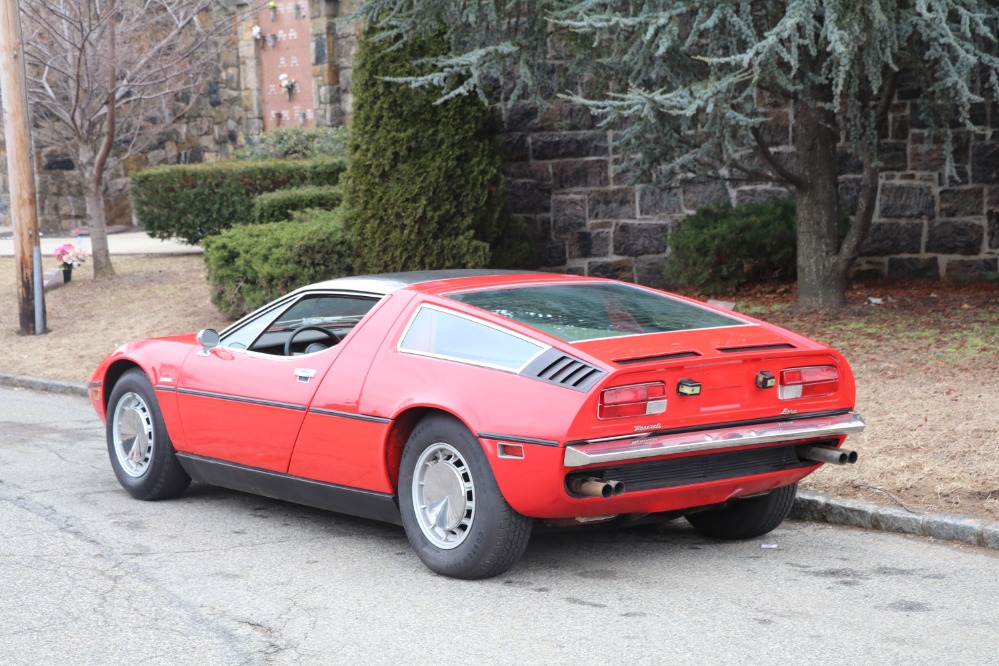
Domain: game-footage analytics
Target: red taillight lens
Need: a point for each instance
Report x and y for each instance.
(808, 382)
(636, 400)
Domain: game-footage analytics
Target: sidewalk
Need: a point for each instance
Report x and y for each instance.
(131, 242)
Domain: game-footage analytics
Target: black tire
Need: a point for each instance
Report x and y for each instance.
(141, 454)
(456, 519)
(748, 518)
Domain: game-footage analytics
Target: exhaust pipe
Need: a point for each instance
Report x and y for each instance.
(591, 487)
(827, 454)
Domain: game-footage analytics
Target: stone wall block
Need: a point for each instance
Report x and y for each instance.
(913, 268)
(567, 145)
(552, 253)
(985, 163)
(886, 238)
(961, 270)
(528, 197)
(993, 229)
(539, 171)
(747, 195)
(697, 194)
(908, 201)
(634, 239)
(649, 271)
(955, 237)
(655, 202)
(616, 203)
(586, 244)
(962, 202)
(568, 215)
(618, 269)
(577, 174)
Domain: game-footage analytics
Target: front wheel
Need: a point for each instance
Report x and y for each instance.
(748, 518)
(142, 456)
(456, 519)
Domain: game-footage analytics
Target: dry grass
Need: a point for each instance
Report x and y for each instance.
(87, 319)
(926, 361)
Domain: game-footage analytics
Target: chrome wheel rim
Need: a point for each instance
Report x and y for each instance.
(132, 434)
(443, 496)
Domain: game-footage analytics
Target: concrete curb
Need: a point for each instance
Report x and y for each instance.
(39, 384)
(823, 508)
(809, 506)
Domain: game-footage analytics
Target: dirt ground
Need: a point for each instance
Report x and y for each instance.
(926, 357)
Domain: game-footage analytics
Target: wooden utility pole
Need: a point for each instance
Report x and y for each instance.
(20, 165)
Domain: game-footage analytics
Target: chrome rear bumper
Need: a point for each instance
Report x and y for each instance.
(645, 446)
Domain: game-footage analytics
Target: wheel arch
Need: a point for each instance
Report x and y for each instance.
(113, 374)
(402, 427)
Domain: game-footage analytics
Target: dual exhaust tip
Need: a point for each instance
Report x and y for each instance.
(827, 454)
(589, 486)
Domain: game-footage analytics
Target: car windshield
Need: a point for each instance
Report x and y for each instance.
(592, 310)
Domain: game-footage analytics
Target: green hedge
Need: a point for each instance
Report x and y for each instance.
(192, 201)
(720, 248)
(278, 206)
(249, 266)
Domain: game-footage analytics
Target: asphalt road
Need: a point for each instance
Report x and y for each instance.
(90, 576)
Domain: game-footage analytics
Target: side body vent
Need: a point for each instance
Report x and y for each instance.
(556, 367)
(755, 348)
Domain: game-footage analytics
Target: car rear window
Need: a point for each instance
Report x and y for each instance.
(443, 334)
(591, 310)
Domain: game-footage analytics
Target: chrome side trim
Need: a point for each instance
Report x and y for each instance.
(349, 415)
(243, 399)
(640, 446)
(517, 439)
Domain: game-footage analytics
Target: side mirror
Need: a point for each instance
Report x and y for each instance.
(209, 338)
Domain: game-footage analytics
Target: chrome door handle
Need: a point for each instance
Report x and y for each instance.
(304, 374)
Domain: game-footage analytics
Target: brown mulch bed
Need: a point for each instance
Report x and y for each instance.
(926, 360)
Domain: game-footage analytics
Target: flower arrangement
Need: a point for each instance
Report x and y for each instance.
(256, 33)
(288, 84)
(69, 255)
(272, 7)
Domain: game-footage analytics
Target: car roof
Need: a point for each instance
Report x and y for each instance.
(386, 283)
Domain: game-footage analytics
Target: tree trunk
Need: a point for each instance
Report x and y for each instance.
(93, 189)
(821, 276)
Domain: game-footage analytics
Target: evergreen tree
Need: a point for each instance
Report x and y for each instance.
(693, 87)
(424, 185)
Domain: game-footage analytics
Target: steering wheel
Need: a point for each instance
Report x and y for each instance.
(327, 332)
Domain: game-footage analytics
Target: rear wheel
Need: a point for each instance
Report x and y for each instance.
(456, 519)
(748, 518)
(141, 454)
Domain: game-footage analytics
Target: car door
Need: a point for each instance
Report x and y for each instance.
(244, 401)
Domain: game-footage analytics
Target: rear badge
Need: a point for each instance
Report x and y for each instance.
(688, 386)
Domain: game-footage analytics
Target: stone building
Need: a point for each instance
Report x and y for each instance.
(301, 39)
(562, 174)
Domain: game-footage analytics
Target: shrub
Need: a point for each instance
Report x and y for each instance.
(197, 200)
(297, 142)
(425, 181)
(249, 266)
(279, 205)
(720, 248)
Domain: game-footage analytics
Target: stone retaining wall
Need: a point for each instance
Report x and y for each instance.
(590, 221)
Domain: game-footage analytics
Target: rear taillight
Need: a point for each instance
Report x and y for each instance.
(810, 382)
(635, 400)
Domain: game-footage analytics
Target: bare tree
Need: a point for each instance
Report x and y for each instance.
(109, 77)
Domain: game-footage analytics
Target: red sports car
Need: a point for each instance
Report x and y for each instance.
(467, 405)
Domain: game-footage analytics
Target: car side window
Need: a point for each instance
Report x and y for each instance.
(441, 334)
(336, 313)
